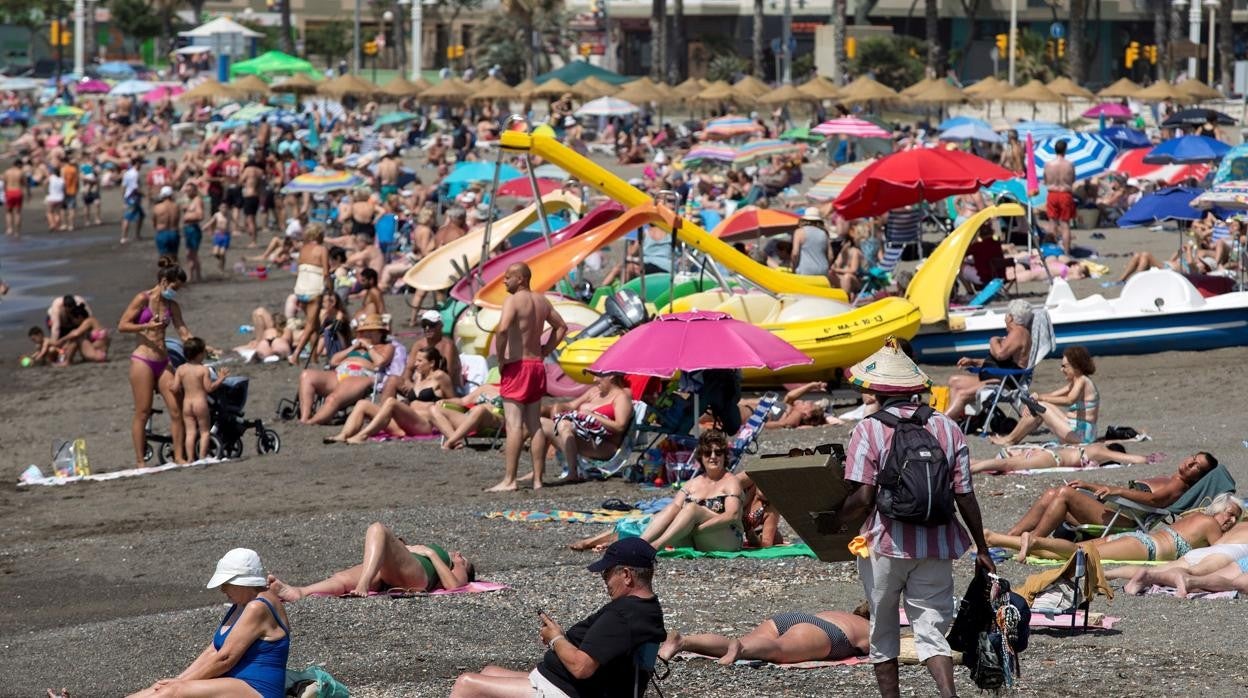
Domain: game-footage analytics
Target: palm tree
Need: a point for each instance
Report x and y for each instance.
(288, 32)
(758, 39)
(1075, 46)
(838, 33)
(658, 18)
(931, 12)
(676, 65)
(1226, 45)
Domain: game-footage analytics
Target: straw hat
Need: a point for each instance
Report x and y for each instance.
(371, 321)
(888, 370)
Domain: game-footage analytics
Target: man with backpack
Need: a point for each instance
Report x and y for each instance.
(912, 467)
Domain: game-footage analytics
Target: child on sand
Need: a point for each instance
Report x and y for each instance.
(220, 226)
(196, 384)
(47, 352)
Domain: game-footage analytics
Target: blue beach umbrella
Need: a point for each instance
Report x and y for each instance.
(1125, 138)
(117, 70)
(1016, 189)
(955, 121)
(1173, 204)
(466, 172)
(971, 132)
(1039, 130)
(1187, 150)
(1089, 153)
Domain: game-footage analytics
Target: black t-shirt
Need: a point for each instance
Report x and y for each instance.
(611, 635)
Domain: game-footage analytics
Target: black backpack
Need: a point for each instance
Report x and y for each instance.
(915, 484)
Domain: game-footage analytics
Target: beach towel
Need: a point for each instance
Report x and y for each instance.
(29, 478)
(1158, 590)
(392, 437)
(1042, 471)
(477, 587)
(758, 663)
(640, 511)
(776, 551)
(1045, 562)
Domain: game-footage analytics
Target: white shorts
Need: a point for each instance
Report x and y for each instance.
(543, 688)
(926, 585)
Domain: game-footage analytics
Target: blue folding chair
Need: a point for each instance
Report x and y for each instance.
(645, 669)
(880, 277)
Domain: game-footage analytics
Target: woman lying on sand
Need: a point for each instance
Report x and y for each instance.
(273, 336)
(1227, 559)
(704, 515)
(794, 412)
(1163, 543)
(389, 563)
(785, 638)
(1038, 457)
(247, 655)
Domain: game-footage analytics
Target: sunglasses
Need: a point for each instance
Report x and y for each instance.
(715, 452)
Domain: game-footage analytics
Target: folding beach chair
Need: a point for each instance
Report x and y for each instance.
(904, 227)
(1013, 384)
(880, 277)
(1133, 516)
(645, 669)
(605, 468)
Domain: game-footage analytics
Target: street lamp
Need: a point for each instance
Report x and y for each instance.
(1193, 32)
(386, 18)
(1213, 20)
(417, 11)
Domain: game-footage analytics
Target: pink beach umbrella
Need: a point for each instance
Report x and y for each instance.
(696, 341)
(1109, 110)
(162, 93)
(91, 86)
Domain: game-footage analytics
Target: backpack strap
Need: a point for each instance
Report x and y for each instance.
(888, 418)
(923, 414)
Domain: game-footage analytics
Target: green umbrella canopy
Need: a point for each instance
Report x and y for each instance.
(274, 63)
(576, 71)
(397, 117)
(801, 134)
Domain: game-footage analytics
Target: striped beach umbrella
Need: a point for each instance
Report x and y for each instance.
(715, 153)
(763, 149)
(1131, 163)
(731, 127)
(850, 126)
(62, 111)
(607, 106)
(323, 182)
(1088, 152)
(834, 182)
(132, 87)
(1232, 195)
(1039, 130)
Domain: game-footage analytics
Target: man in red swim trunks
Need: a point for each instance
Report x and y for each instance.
(1059, 177)
(14, 188)
(523, 374)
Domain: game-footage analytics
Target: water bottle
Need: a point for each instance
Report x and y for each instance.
(246, 329)
(63, 460)
(81, 465)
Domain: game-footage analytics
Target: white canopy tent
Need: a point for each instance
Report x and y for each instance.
(223, 36)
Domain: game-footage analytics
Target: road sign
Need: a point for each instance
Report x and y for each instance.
(1057, 30)
(775, 46)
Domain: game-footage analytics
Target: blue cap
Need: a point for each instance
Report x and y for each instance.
(629, 552)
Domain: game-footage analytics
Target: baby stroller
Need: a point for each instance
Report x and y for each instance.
(229, 425)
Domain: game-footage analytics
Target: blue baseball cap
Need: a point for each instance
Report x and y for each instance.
(629, 552)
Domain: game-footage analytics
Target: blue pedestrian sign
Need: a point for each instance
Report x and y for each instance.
(775, 46)
(1057, 30)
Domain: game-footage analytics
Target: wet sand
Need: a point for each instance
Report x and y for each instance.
(104, 581)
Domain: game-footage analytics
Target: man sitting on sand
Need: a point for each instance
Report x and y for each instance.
(1067, 502)
(595, 656)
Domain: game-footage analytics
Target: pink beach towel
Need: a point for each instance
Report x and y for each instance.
(1158, 590)
(478, 587)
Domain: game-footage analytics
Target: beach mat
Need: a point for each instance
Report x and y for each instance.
(1042, 471)
(52, 480)
(1044, 562)
(760, 664)
(774, 552)
(477, 587)
(1158, 590)
(607, 516)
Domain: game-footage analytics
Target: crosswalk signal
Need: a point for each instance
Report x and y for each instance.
(1132, 54)
(1061, 48)
(1003, 45)
(1150, 52)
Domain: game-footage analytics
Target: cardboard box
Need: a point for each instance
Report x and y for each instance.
(809, 490)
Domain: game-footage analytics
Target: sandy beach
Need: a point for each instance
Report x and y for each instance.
(104, 581)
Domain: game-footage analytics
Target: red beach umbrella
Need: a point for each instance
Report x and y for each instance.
(752, 221)
(911, 176)
(521, 187)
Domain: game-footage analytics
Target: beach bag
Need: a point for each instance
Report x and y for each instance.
(988, 671)
(314, 682)
(916, 483)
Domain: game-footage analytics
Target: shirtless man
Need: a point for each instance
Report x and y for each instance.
(388, 175)
(1059, 177)
(14, 192)
(1011, 351)
(523, 373)
(252, 179)
(166, 215)
(1068, 503)
(192, 228)
(231, 173)
(455, 227)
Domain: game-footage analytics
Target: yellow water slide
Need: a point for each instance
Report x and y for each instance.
(692, 235)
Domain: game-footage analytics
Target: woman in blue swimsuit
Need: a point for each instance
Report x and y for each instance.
(1070, 412)
(247, 656)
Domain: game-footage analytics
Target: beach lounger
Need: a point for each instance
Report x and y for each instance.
(645, 660)
(1130, 515)
(605, 468)
(880, 276)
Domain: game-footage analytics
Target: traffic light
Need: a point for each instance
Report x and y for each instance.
(370, 48)
(1132, 54)
(1050, 50)
(851, 47)
(1150, 52)
(58, 36)
(1003, 45)
(1061, 48)
(455, 51)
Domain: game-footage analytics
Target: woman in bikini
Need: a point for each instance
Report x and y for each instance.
(273, 336)
(705, 515)
(389, 563)
(310, 283)
(355, 371)
(430, 382)
(477, 412)
(147, 317)
(785, 638)
(1037, 457)
(1070, 412)
(593, 425)
(1162, 543)
(88, 337)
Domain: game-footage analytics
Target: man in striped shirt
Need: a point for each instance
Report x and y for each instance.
(908, 558)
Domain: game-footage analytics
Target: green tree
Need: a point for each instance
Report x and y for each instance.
(505, 40)
(935, 51)
(135, 19)
(331, 41)
(450, 10)
(894, 60)
(726, 67)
